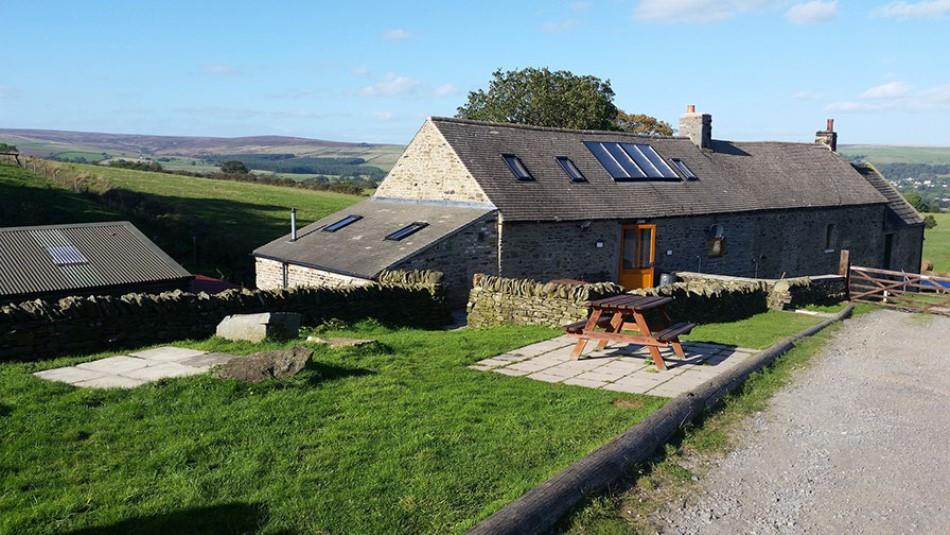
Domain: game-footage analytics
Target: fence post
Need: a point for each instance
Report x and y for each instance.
(844, 269)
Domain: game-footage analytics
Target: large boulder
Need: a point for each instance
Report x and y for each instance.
(257, 327)
(276, 364)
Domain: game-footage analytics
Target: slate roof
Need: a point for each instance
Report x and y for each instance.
(899, 208)
(733, 176)
(360, 249)
(115, 254)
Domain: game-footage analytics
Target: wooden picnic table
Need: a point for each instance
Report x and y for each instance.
(621, 313)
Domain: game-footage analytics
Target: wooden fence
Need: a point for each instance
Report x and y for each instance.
(911, 292)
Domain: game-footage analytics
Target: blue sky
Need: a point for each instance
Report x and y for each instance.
(372, 71)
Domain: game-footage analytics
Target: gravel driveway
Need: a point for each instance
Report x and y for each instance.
(859, 443)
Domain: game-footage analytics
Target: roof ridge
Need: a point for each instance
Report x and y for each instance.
(547, 128)
(68, 225)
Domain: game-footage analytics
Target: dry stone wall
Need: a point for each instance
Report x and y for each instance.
(698, 298)
(77, 325)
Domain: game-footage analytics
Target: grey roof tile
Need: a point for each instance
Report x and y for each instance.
(899, 208)
(733, 177)
(360, 249)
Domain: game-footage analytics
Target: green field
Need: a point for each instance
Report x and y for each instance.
(883, 154)
(26, 199)
(937, 243)
(224, 220)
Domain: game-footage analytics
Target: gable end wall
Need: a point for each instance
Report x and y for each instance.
(430, 170)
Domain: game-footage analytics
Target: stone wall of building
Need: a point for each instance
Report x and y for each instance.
(429, 169)
(76, 325)
(773, 244)
(270, 275)
(471, 250)
(906, 250)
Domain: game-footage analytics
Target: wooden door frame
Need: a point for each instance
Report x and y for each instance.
(638, 226)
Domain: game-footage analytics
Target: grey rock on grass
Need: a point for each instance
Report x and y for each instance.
(276, 364)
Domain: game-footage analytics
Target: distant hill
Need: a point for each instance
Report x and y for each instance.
(887, 154)
(186, 152)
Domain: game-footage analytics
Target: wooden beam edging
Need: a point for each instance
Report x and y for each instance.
(541, 508)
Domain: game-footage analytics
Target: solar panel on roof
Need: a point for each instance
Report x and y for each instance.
(630, 161)
(66, 255)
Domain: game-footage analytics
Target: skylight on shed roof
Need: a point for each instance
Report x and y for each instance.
(346, 221)
(66, 255)
(406, 231)
(630, 161)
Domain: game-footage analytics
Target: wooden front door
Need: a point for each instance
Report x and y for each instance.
(637, 252)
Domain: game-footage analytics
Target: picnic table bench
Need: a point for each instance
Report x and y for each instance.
(622, 318)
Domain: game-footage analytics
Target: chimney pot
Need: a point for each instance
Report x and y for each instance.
(831, 125)
(690, 108)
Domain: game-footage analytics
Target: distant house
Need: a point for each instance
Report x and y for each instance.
(55, 261)
(548, 203)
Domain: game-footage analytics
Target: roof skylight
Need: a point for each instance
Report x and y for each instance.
(346, 221)
(630, 161)
(686, 171)
(571, 169)
(517, 167)
(66, 255)
(406, 231)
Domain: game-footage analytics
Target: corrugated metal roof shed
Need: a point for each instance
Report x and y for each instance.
(60, 258)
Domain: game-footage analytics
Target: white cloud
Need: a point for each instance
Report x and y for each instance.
(360, 70)
(897, 96)
(806, 94)
(389, 86)
(558, 26)
(383, 115)
(814, 11)
(908, 10)
(885, 91)
(695, 11)
(396, 34)
(220, 69)
(580, 6)
(444, 90)
(8, 92)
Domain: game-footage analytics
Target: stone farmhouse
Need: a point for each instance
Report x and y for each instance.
(545, 203)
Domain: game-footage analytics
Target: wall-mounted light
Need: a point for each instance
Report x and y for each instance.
(599, 244)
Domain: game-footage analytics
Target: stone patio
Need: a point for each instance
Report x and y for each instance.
(618, 368)
(129, 371)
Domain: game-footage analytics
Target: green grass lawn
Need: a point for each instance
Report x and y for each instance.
(937, 243)
(399, 439)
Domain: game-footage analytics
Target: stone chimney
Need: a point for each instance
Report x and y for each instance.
(828, 137)
(697, 127)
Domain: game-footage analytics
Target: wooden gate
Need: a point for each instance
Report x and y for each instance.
(911, 292)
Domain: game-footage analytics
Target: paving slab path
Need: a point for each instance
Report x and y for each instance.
(858, 443)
